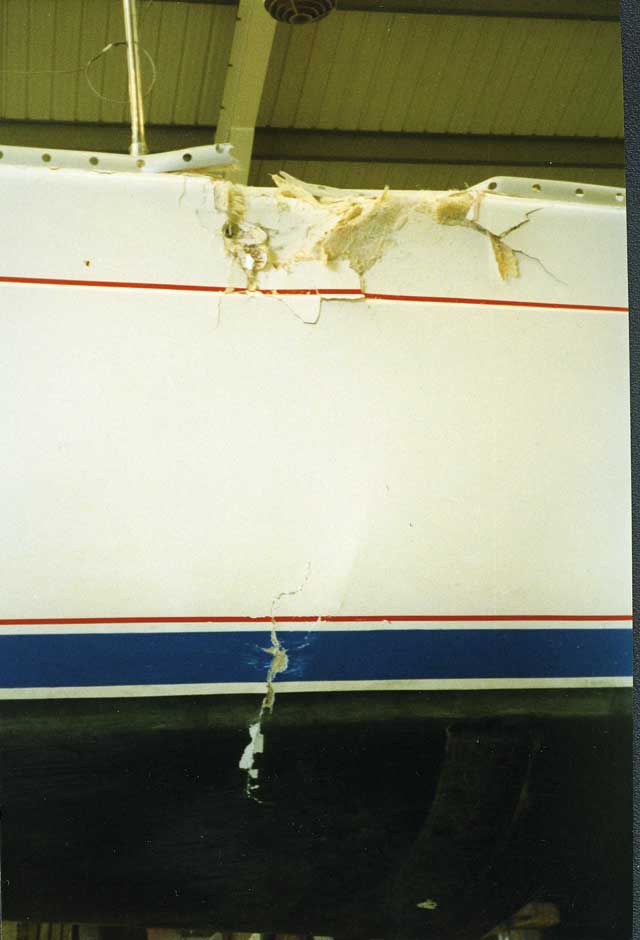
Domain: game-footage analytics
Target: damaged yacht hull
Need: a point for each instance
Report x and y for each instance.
(370, 450)
(385, 433)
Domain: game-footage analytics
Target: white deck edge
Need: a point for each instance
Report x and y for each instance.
(257, 688)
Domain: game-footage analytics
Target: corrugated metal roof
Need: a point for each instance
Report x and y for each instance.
(447, 74)
(353, 71)
(54, 39)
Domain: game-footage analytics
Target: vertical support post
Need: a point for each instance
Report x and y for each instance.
(138, 144)
(246, 72)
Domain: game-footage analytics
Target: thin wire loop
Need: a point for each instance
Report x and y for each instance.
(98, 55)
(85, 68)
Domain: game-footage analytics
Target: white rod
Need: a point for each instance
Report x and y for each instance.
(138, 144)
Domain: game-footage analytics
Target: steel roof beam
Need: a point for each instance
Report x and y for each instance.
(342, 146)
(535, 9)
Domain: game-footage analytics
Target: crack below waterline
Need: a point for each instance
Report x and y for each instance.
(279, 663)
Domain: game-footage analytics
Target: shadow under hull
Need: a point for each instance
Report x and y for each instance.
(398, 814)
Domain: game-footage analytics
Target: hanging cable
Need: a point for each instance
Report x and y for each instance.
(98, 55)
(27, 73)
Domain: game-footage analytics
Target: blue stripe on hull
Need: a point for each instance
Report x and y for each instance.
(127, 658)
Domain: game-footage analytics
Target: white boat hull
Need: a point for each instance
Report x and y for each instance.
(414, 478)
